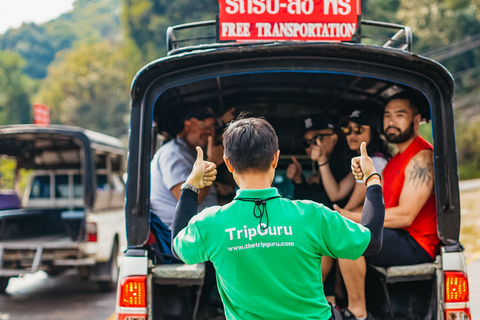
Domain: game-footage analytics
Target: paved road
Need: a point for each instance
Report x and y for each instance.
(474, 283)
(64, 297)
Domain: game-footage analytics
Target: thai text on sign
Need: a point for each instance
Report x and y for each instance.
(297, 20)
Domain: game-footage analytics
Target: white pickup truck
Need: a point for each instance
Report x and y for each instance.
(72, 210)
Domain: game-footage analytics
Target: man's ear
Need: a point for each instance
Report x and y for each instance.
(187, 124)
(227, 163)
(276, 156)
(417, 119)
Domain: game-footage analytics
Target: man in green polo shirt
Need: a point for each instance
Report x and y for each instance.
(267, 250)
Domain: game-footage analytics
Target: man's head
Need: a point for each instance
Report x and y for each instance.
(401, 118)
(199, 123)
(319, 127)
(251, 145)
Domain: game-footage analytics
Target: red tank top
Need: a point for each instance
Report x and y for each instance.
(424, 227)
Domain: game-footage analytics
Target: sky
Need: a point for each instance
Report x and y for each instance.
(13, 13)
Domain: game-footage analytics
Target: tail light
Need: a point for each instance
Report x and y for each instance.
(456, 296)
(91, 232)
(132, 298)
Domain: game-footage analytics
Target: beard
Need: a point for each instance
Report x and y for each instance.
(402, 136)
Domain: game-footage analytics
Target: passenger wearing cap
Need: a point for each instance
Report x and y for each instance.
(172, 163)
(363, 126)
(322, 144)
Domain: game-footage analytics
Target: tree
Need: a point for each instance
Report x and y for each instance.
(87, 88)
(15, 88)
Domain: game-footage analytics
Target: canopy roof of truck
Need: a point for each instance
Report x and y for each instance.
(27, 132)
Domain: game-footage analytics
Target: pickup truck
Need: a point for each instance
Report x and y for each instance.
(285, 82)
(71, 211)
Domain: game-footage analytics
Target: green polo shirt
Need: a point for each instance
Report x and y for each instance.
(273, 272)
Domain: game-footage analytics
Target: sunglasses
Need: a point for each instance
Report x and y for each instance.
(358, 129)
(308, 142)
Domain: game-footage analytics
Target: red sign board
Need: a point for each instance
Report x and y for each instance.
(41, 114)
(288, 20)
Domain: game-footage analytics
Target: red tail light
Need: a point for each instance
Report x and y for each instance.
(91, 232)
(132, 292)
(456, 296)
(132, 298)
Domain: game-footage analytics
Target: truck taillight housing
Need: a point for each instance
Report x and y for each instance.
(456, 296)
(132, 292)
(132, 298)
(91, 232)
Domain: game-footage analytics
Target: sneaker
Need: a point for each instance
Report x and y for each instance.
(347, 315)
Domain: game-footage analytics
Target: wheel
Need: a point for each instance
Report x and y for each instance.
(110, 285)
(3, 284)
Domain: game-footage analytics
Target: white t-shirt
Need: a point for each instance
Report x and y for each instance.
(379, 164)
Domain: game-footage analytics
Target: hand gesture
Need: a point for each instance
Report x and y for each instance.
(203, 173)
(214, 152)
(362, 166)
(294, 171)
(318, 152)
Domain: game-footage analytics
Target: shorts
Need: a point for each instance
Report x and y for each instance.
(399, 248)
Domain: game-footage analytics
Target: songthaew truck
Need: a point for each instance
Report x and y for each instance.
(285, 61)
(71, 213)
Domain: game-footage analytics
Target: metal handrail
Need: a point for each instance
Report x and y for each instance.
(403, 31)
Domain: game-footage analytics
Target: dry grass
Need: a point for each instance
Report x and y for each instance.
(470, 222)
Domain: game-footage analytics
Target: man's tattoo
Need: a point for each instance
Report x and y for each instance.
(421, 173)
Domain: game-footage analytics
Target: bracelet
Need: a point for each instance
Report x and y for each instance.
(320, 165)
(372, 175)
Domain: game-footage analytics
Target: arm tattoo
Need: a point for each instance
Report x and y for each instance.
(421, 173)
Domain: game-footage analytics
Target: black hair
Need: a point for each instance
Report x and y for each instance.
(250, 144)
(377, 144)
(415, 101)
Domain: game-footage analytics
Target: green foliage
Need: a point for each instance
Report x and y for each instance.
(146, 21)
(91, 21)
(14, 95)
(7, 175)
(87, 88)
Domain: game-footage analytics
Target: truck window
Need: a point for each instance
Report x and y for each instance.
(102, 182)
(77, 186)
(61, 186)
(40, 187)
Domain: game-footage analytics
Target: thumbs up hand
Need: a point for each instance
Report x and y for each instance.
(294, 171)
(362, 166)
(203, 173)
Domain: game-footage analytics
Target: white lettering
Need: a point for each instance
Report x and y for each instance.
(330, 3)
(260, 6)
(261, 231)
(275, 8)
(272, 231)
(251, 233)
(232, 6)
(239, 232)
(311, 7)
(288, 233)
(346, 8)
(230, 231)
(294, 7)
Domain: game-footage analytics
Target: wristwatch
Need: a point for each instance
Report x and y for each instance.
(190, 187)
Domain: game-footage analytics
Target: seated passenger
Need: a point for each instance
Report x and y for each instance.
(331, 181)
(171, 165)
(362, 127)
(365, 127)
(410, 234)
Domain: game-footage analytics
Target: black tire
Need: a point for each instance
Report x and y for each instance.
(110, 285)
(3, 284)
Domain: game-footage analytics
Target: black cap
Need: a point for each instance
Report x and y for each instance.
(317, 122)
(199, 113)
(366, 118)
